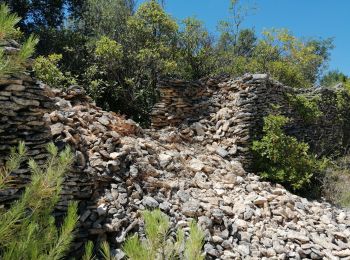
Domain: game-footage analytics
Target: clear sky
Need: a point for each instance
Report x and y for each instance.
(307, 18)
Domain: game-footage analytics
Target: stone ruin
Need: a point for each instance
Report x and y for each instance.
(192, 164)
(244, 102)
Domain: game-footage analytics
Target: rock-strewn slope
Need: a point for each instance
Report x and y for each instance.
(192, 171)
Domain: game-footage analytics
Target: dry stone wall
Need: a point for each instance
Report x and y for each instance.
(241, 104)
(180, 101)
(23, 104)
(191, 171)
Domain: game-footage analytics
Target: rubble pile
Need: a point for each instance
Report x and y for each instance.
(190, 169)
(178, 170)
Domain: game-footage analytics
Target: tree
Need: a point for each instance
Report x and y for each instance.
(195, 49)
(106, 18)
(38, 14)
(158, 244)
(334, 77)
(28, 229)
(12, 63)
(246, 43)
(153, 40)
(290, 60)
(230, 28)
(152, 52)
(293, 61)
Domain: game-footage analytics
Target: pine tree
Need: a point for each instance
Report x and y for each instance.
(159, 245)
(28, 229)
(12, 63)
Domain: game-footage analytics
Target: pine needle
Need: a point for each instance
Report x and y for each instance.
(88, 252)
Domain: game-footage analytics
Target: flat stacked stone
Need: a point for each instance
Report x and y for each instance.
(228, 113)
(23, 104)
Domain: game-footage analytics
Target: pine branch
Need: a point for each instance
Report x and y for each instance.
(105, 251)
(194, 243)
(13, 163)
(66, 234)
(88, 252)
(8, 22)
(135, 250)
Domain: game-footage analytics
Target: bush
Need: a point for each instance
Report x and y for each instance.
(307, 108)
(336, 182)
(288, 59)
(28, 229)
(47, 70)
(158, 244)
(282, 159)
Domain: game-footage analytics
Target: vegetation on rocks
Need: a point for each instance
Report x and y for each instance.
(195, 172)
(283, 159)
(158, 244)
(306, 107)
(47, 70)
(336, 182)
(119, 52)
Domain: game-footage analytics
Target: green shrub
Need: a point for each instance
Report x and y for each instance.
(28, 229)
(336, 182)
(108, 50)
(307, 108)
(282, 159)
(47, 70)
(158, 244)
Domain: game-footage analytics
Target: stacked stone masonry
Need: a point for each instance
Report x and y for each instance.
(191, 166)
(241, 104)
(23, 104)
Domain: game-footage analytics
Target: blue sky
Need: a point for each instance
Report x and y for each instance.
(307, 18)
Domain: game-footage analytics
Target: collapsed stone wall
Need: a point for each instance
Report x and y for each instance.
(189, 172)
(245, 101)
(181, 101)
(32, 112)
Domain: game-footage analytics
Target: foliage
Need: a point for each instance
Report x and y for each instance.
(231, 28)
(158, 244)
(126, 79)
(28, 229)
(47, 70)
(14, 161)
(285, 57)
(13, 63)
(108, 49)
(281, 158)
(106, 18)
(152, 34)
(37, 14)
(336, 182)
(332, 78)
(89, 251)
(8, 22)
(195, 49)
(307, 108)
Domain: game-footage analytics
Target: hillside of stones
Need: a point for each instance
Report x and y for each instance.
(192, 170)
